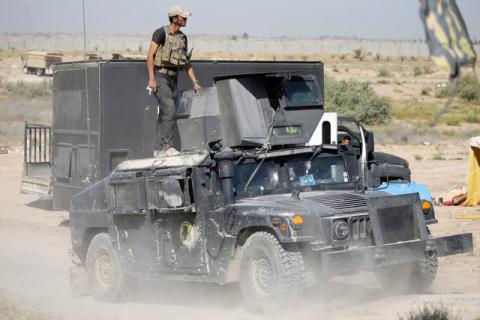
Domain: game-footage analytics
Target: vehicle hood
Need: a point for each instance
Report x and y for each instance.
(323, 203)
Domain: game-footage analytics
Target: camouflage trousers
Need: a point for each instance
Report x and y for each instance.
(166, 94)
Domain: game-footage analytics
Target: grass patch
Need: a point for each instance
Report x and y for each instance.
(453, 122)
(430, 312)
(383, 72)
(418, 157)
(11, 53)
(28, 90)
(398, 132)
(423, 69)
(459, 134)
(438, 156)
(471, 118)
(425, 91)
(468, 89)
(359, 54)
(414, 110)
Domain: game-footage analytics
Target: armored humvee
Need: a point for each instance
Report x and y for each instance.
(251, 198)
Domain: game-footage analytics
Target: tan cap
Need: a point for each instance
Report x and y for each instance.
(178, 11)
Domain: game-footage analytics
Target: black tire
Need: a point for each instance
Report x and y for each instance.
(388, 172)
(104, 269)
(409, 277)
(383, 157)
(269, 272)
(40, 72)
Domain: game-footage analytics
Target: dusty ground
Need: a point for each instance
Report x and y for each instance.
(34, 265)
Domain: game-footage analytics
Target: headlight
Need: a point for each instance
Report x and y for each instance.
(426, 206)
(296, 221)
(340, 230)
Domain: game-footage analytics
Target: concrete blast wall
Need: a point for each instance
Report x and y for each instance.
(208, 44)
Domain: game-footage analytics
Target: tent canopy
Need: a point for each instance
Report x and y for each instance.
(473, 188)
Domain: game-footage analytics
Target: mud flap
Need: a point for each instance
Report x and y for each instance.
(79, 284)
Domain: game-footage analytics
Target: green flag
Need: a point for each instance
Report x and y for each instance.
(447, 36)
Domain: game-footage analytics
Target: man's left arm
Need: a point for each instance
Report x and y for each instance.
(191, 75)
(190, 72)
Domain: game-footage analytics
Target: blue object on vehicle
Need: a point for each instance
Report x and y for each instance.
(307, 180)
(396, 188)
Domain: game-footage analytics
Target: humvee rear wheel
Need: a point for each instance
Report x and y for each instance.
(40, 72)
(409, 277)
(104, 269)
(269, 272)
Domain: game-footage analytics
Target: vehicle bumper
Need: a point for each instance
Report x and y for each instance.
(396, 253)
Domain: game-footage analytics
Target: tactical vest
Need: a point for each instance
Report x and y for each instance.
(173, 53)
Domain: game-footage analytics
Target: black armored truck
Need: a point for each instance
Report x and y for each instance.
(250, 198)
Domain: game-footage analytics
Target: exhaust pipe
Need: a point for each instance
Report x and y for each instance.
(430, 251)
(226, 169)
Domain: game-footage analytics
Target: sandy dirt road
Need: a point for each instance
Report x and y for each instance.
(34, 266)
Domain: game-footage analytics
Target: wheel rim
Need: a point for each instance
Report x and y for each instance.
(104, 269)
(262, 275)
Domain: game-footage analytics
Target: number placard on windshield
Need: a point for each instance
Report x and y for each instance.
(287, 131)
(307, 180)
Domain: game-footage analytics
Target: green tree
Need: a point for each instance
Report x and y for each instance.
(357, 99)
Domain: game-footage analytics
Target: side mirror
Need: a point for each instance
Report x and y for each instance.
(370, 140)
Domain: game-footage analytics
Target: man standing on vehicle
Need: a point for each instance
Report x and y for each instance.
(168, 54)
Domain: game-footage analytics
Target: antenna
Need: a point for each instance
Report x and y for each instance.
(84, 33)
(87, 107)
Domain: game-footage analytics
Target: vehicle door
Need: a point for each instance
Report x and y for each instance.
(178, 231)
(130, 224)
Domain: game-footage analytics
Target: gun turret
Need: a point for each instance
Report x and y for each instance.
(250, 111)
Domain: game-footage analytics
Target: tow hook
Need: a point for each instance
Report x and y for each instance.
(379, 258)
(430, 251)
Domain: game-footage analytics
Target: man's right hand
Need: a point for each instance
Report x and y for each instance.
(152, 84)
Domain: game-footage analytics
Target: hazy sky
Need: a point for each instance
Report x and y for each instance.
(397, 19)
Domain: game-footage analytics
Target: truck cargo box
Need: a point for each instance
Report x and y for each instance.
(102, 114)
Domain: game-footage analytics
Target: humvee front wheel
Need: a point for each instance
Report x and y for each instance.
(409, 277)
(269, 272)
(104, 269)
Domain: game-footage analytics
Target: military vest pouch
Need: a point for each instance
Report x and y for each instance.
(173, 53)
